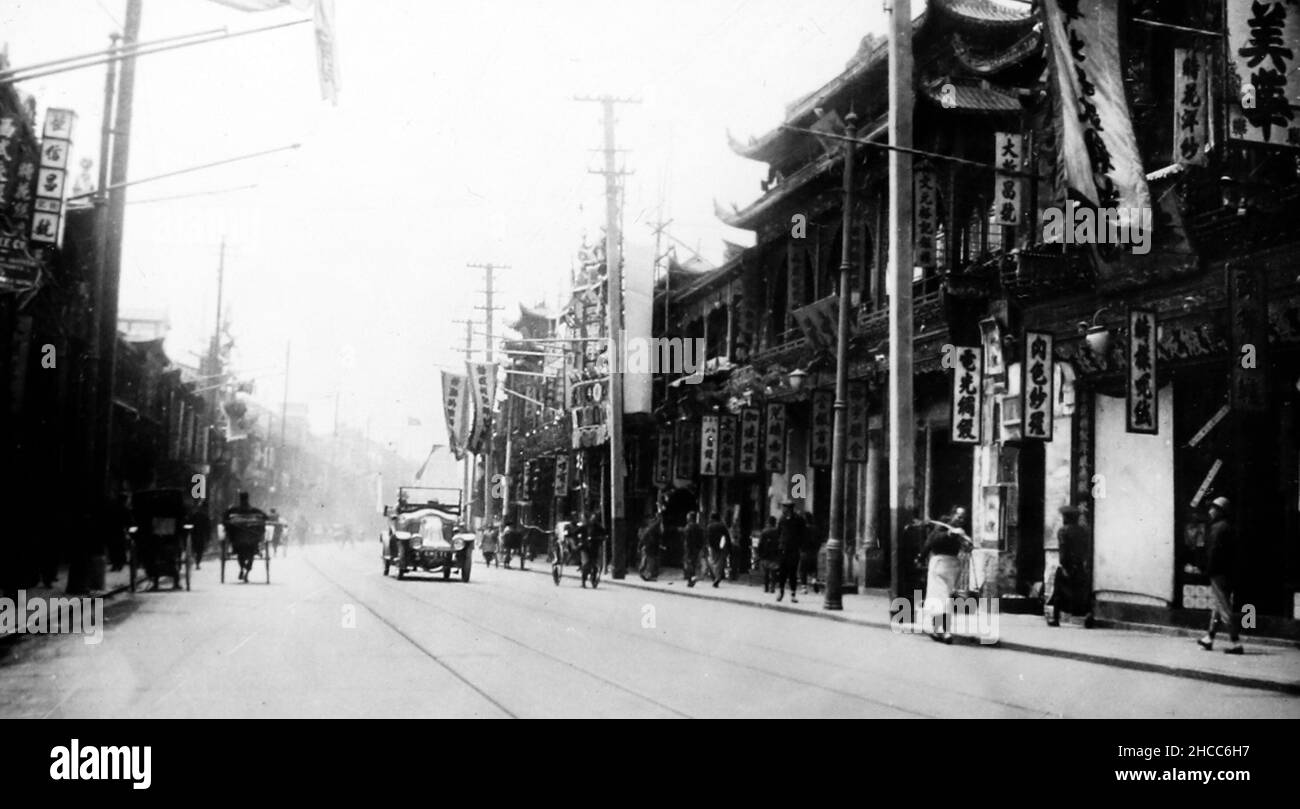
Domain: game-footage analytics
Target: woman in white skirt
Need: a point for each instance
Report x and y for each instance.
(944, 546)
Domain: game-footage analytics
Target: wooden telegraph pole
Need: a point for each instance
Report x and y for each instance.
(902, 437)
(614, 285)
(488, 309)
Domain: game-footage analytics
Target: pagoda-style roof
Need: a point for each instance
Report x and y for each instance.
(988, 13)
(748, 217)
(533, 320)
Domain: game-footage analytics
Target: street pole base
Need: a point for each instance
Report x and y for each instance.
(833, 604)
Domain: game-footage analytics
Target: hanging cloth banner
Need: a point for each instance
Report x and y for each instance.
(727, 446)
(709, 445)
(483, 384)
(823, 417)
(1103, 168)
(455, 406)
(774, 445)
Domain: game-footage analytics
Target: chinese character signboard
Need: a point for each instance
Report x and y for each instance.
(709, 445)
(561, 474)
(455, 404)
(1008, 152)
(1263, 84)
(1142, 403)
(688, 433)
(664, 458)
(483, 386)
(967, 403)
(856, 451)
(823, 410)
(51, 176)
(819, 322)
(750, 429)
(1249, 310)
(926, 213)
(19, 269)
(774, 442)
(1191, 104)
(1036, 389)
(727, 446)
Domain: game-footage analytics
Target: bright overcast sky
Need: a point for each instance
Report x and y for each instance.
(455, 140)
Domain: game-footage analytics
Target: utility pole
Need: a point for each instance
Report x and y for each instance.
(839, 441)
(488, 308)
(902, 436)
(284, 415)
(109, 262)
(614, 285)
(214, 360)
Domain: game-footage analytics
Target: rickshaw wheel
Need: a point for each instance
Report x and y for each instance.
(555, 573)
(466, 562)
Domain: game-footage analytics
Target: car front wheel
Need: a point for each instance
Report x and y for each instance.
(466, 561)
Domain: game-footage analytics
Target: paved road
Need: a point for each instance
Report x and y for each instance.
(332, 637)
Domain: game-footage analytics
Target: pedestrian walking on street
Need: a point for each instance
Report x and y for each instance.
(790, 538)
(245, 527)
(488, 545)
(651, 543)
(590, 542)
(1221, 568)
(812, 542)
(201, 531)
(1070, 585)
(944, 547)
(719, 543)
(692, 547)
(512, 539)
(769, 554)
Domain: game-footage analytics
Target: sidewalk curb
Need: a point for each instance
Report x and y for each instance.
(1289, 688)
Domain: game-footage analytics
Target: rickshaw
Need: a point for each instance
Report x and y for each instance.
(254, 523)
(160, 542)
(565, 549)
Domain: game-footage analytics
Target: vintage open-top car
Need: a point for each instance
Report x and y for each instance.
(425, 533)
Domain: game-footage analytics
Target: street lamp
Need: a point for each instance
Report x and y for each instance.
(835, 534)
(796, 378)
(1096, 335)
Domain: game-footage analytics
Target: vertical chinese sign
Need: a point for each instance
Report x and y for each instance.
(51, 178)
(1191, 105)
(1009, 150)
(455, 405)
(483, 385)
(823, 410)
(1263, 84)
(1036, 387)
(926, 216)
(18, 158)
(967, 403)
(709, 445)
(856, 451)
(562, 474)
(686, 441)
(750, 424)
(1249, 307)
(664, 458)
(727, 446)
(774, 441)
(1143, 412)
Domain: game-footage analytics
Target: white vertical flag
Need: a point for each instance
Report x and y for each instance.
(327, 64)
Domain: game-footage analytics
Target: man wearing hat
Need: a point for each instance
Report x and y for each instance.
(1220, 568)
(1070, 587)
(790, 538)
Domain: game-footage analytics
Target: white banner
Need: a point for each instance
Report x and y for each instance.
(483, 385)
(1099, 149)
(455, 405)
(967, 401)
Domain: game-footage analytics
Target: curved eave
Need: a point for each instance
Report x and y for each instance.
(749, 217)
(987, 64)
(987, 13)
